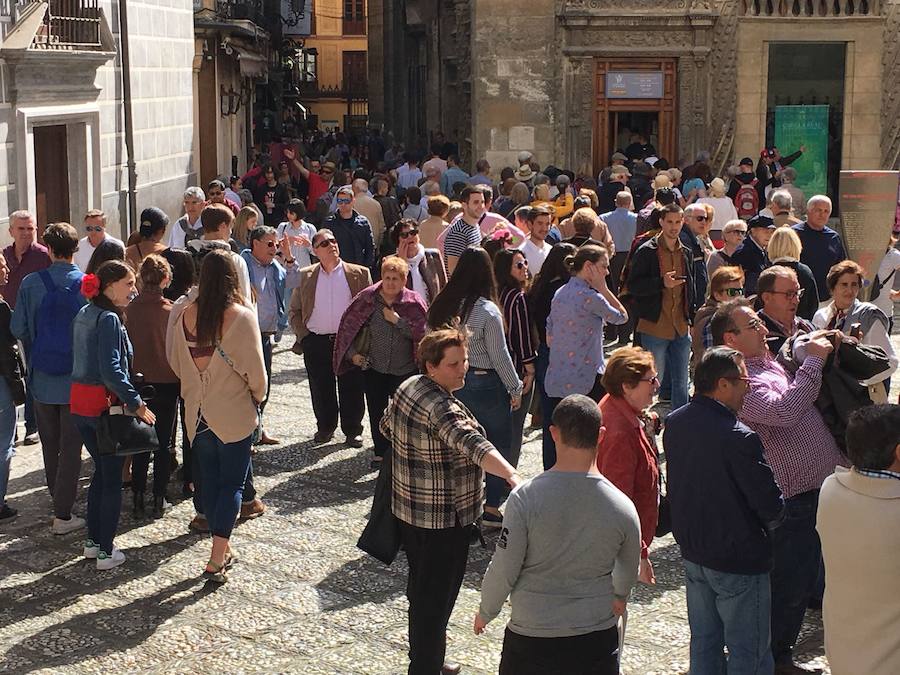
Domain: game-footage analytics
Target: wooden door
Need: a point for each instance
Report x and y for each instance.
(51, 176)
(605, 108)
(355, 74)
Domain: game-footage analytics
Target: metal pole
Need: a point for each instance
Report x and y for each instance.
(129, 120)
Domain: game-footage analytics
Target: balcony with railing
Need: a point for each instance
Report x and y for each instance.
(313, 90)
(837, 9)
(63, 25)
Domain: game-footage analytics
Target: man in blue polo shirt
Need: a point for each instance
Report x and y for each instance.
(822, 246)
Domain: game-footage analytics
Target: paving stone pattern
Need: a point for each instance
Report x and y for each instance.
(302, 597)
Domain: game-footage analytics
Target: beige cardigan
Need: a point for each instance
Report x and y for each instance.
(223, 393)
(859, 524)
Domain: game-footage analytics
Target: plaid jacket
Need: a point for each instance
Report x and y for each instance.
(438, 448)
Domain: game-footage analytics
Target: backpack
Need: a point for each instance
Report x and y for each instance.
(877, 285)
(51, 351)
(746, 201)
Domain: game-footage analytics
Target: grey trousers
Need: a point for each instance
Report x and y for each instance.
(61, 444)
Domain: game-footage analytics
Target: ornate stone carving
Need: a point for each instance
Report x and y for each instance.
(723, 73)
(579, 114)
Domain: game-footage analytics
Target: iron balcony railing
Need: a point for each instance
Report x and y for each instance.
(812, 8)
(69, 25)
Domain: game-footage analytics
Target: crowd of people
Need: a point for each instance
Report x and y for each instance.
(581, 301)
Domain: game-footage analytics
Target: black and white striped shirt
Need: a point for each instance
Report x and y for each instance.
(461, 236)
(487, 344)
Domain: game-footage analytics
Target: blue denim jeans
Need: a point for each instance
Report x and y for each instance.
(224, 467)
(728, 610)
(487, 399)
(797, 552)
(105, 493)
(7, 433)
(548, 447)
(672, 359)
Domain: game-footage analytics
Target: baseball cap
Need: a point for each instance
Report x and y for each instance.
(747, 161)
(761, 221)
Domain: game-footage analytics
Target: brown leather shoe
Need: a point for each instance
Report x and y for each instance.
(265, 439)
(451, 668)
(199, 524)
(251, 510)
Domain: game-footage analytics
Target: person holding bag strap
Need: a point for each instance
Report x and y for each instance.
(216, 352)
(101, 371)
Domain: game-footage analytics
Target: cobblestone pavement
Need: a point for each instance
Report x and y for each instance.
(301, 599)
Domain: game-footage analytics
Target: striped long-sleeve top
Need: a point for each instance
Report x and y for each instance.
(487, 344)
(518, 328)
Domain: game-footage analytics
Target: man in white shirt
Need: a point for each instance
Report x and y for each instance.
(536, 249)
(188, 227)
(409, 174)
(95, 227)
(323, 294)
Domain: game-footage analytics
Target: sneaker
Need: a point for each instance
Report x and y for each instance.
(199, 524)
(491, 520)
(8, 512)
(91, 550)
(32, 438)
(106, 561)
(251, 510)
(61, 526)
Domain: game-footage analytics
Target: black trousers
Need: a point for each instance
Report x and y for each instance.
(347, 400)
(594, 653)
(164, 405)
(437, 562)
(379, 388)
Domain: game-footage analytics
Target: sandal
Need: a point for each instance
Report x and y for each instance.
(217, 575)
(230, 559)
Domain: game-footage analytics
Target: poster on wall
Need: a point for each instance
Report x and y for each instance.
(805, 125)
(868, 208)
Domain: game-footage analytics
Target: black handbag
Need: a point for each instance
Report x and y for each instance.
(120, 433)
(381, 537)
(664, 519)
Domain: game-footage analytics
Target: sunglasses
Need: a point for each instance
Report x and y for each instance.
(327, 241)
(733, 292)
(344, 200)
(651, 380)
(740, 233)
(522, 264)
(327, 172)
(93, 228)
(702, 219)
(271, 244)
(409, 233)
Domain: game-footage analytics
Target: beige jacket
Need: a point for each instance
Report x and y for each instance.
(224, 393)
(859, 524)
(368, 207)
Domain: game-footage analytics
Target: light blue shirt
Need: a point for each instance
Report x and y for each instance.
(452, 175)
(622, 224)
(270, 289)
(575, 336)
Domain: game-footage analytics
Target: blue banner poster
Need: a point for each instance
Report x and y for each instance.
(805, 125)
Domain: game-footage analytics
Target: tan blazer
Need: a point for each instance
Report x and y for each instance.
(859, 524)
(304, 296)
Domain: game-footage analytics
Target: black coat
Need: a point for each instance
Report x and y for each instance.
(606, 199)
(354, 238)
(723, 497)
(752, 260)
(645, 282)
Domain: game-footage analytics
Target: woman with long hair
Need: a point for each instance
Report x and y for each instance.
(146, 321)
(578, 312)
(553, 275)
(492, 390)
(246, 219)
(216, 352)
(101, 373)
(511, 273)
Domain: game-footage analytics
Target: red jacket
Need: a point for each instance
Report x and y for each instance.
(627, 459)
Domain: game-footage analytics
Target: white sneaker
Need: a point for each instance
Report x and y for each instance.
(61, 526)
(108, 561)
(91, 550)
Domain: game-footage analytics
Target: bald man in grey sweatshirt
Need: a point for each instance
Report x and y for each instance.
(567, 558)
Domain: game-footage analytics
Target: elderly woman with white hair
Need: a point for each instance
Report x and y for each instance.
(724, 207)
(734, 233)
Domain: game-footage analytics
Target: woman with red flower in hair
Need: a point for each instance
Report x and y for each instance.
(101, 376)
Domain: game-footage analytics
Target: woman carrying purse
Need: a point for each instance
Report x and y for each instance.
(216, 352)
(101, 370)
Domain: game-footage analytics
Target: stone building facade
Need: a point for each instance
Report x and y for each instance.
(502, 76)
(62, 118)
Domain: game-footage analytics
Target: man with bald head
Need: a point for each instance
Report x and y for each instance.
(366, 206)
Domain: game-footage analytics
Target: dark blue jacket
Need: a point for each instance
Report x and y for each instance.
(722, 493)
(698, 266)
(821, 250)
(753, 260)
(354, 238)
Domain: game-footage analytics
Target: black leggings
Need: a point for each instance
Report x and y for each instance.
(164, 405)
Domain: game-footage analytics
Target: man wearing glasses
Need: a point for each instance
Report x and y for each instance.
(696, 227)
(95, 229)
(352, 230)
(802, 453)
(751, 254)
(780, 293)
(318, 177)
(324, 293)
(725, 531)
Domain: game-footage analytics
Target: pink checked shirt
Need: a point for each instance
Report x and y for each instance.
(797, 444)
